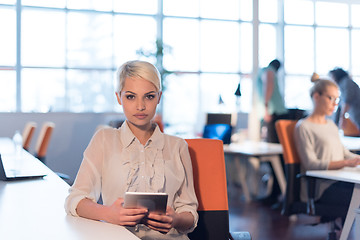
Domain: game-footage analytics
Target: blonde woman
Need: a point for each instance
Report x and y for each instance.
(319, 145)
(137, 157)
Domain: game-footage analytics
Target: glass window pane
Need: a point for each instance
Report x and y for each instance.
(246, 87)
(246, 10)
(8, 36)
(214, 86)
(357, 80)
(299, 12)
(99, 5)
(89, 40)
(45, 3)
(43, 90)
(182, 89)
(355, 15)
(7, 1)
(355, 51)
(185, 8)
(332, 49)
(225, 9)
(182, 37)
(130, 38)
(246, 47)
(299, 60)
(91, 91)
(219, 46)
(268, 10)
(267, 44)
(43, 38)
(297, 92)
(136, 6)
(7, 91)
(332, 14)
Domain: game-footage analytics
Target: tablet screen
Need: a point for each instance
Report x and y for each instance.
(154, 202)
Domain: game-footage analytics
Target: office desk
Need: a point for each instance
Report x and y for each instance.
(34, 209)
(263, 151)
(351, 175)
(351, 143)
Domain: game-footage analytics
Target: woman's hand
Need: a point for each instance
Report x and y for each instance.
(352, 162)
(162, 222)
(117, 214)
(165, 222)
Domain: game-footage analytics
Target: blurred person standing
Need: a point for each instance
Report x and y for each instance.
(273, 105)
(271, 99)
(349, 106)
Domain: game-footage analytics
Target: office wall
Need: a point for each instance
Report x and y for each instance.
(71, 135)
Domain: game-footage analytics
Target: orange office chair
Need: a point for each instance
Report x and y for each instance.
(207, 156)
(349, 128)
(158, 120)
(28, 134)
(292, 203)
(43, 143)
(44, 140)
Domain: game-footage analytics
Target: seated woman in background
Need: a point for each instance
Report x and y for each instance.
(137, 157)
(319, 145)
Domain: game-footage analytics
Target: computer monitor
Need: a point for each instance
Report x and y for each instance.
(218, 118)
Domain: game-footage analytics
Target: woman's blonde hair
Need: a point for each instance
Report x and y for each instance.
(141, 69)
(320, 84)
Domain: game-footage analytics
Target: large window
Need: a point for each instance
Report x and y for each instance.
(69, 51)
(62, 55)
(318, 36)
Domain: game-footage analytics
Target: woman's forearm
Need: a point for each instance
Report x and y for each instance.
(88, 209)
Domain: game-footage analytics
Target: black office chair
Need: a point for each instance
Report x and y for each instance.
(292, 203)
(218, 131)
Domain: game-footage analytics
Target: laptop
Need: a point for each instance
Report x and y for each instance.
(30, 168)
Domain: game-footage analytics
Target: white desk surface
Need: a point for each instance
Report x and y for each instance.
(351, 143)
(346, 174)
(253, 148)
(351, 175)
(34, 209)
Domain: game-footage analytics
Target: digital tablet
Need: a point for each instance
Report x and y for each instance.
(154, 202)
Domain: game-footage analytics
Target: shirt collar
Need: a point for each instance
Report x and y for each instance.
(127, 137)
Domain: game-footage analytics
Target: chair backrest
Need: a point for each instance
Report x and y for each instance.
(218, 131)
(207, 156)
(158, 120)
(28, 134)
(43, 140)
(291, 204)
(350, 129)
(285, 131)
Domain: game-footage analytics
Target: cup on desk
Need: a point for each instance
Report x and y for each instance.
(240, 136)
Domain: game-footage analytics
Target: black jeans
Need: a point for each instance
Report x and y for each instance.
(339, 193)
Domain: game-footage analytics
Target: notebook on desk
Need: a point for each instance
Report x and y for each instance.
(28, 170)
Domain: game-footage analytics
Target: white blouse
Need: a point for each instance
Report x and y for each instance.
(115, 162)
